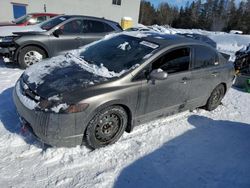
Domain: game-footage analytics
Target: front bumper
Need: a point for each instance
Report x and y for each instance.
(60, 130)
(8, 52)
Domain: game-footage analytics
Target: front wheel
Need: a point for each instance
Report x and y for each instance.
(106, 127)
(215, 98)
(30, 55)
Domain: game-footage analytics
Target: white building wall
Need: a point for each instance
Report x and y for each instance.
(98, 8)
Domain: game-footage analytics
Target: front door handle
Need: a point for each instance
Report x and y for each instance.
(214, 74)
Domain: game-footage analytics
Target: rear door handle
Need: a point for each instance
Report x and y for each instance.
(214, 74)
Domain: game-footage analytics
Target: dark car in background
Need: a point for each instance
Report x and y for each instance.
(29, 19)
(110, 86)
(61, 34)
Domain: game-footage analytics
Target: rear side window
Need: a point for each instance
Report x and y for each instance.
(92, 26)
(41, 19)
(72, 27)
(175, 61)
(204, 57)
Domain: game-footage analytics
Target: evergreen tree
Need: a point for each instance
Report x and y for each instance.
(216, 15)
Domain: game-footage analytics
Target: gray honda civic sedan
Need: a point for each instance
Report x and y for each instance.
(92, 95)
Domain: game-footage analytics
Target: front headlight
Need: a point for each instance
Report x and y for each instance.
(1, 39)
(7, 39)
(77, 108)
(55, 106)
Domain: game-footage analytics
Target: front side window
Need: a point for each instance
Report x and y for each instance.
(116, 2)
(48, 25)
(119, 53)
(204, 57)
(72, 27)
(173, 62)
(22, 19)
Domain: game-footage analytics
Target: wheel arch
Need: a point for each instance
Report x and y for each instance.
(225, 86)
(126, 107)
(32, 44)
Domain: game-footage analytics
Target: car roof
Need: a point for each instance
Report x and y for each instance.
(90, 17)
(43, 13)
(165, 40)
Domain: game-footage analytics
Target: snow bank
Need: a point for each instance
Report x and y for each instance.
(226, 42)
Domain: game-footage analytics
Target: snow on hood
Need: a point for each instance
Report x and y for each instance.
(8, 30)
(37, 72)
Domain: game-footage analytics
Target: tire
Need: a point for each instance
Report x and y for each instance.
(106, 127)
(32, 54)
(215, 98)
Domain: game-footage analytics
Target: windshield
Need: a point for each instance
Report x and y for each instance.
(119, 53)
(48, 25)
(22, 19)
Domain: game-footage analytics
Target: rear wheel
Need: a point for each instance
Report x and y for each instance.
(30, 55)
(106, 127)
(216, 97)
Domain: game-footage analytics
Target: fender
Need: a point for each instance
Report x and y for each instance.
(118, 102)
(32, 43)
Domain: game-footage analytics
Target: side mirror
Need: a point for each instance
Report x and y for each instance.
(158, 74)
(57, 33)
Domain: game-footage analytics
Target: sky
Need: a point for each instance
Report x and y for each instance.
(178, 3)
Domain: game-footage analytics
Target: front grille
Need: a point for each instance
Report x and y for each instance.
(28, 92)
(42, 122)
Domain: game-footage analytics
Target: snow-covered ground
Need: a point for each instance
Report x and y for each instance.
(191, 149)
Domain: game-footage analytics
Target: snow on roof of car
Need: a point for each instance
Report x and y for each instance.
(160, 38)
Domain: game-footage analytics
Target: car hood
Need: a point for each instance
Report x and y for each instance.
(9, 30)
(64, 75)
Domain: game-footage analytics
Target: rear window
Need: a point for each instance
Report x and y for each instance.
(204, 57)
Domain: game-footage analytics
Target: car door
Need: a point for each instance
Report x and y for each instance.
(204, 74)
(161, 97)
(94, 30)
(69, 37)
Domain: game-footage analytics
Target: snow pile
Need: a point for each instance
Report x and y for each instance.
(9, 30)
(226, 42)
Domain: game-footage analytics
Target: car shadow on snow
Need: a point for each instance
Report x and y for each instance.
(215, 153)
(10, 118)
